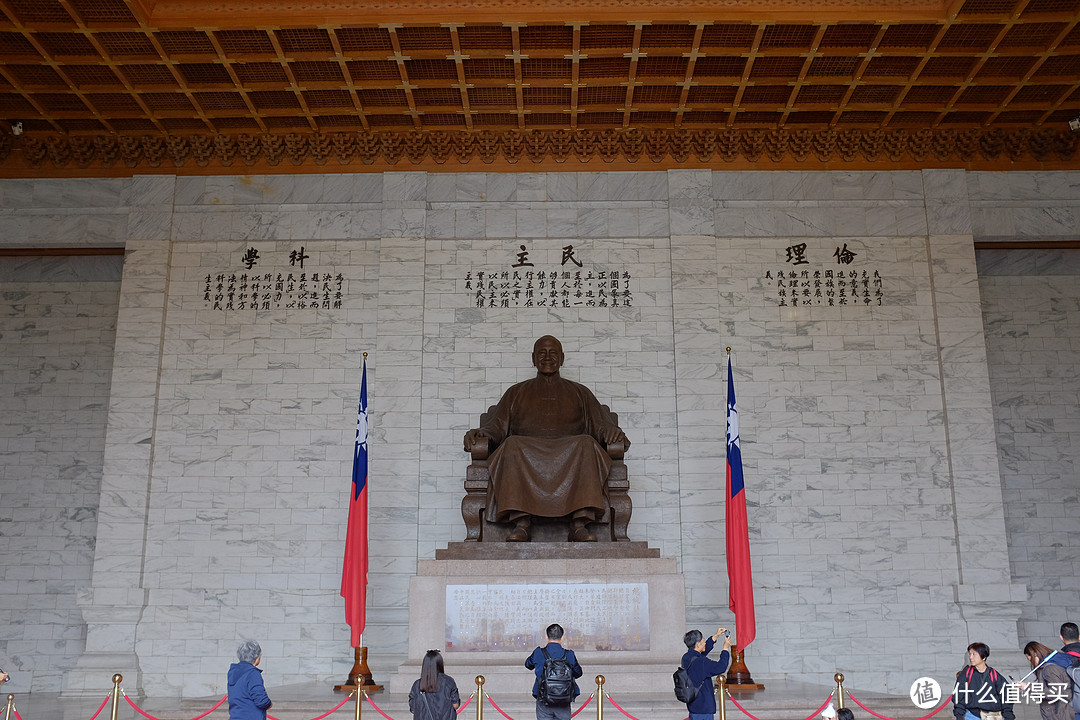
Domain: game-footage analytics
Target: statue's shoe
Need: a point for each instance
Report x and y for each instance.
(580, 533)
(519, 534)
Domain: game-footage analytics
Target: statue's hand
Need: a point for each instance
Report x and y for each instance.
(612, 434)
(474, 437)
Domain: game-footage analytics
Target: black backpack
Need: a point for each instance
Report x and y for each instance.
(1073, 671)
(556, 683)
(685, 690)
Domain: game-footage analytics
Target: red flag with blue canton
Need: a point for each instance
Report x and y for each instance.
(740, 584)
(354, 570)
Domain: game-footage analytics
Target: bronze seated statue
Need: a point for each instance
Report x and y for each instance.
(547, 463)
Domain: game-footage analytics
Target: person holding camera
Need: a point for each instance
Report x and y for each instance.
(1053, 705)
(702, 669)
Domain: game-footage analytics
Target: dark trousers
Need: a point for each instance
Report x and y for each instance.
(552, 712)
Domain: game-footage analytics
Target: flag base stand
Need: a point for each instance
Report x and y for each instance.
(359, 675)
(738, 675)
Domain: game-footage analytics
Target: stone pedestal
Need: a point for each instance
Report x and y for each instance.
(111, 616)
(575, 568)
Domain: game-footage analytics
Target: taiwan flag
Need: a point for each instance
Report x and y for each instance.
(354, 571)
(740, 584)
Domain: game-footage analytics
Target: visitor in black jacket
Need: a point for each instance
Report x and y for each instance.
(980, 689)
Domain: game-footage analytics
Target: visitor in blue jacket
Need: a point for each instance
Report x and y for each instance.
(247, 695)
(701, 670)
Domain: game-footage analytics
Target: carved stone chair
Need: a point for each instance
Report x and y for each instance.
(611, 527)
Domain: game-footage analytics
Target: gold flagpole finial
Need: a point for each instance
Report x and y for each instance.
(365, 354)
(729, 351)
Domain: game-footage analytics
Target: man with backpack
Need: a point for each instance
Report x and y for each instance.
(700, 671)
(556, 668)
(1068, 657)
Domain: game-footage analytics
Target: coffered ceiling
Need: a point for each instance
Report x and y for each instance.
(200, 86)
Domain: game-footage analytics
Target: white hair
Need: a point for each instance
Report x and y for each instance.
(249, 651)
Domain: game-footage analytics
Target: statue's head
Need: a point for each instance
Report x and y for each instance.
(547, 355)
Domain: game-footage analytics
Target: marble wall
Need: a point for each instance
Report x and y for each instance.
(57, 323)
(880, 524)
(1031, 301)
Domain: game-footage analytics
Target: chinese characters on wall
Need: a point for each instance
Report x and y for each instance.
(524, 285)
(800, 283)
(610, 616)
(258, 286)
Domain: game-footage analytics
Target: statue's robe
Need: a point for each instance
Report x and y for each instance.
(549, 461)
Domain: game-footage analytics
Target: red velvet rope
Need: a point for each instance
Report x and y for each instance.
(810, 717)
(319, 717)
(94, 717)
(510, 718)
(144, 714)
(498, 708)
(883, 717)
(377, 708)
(574, 714)
(219, 702)
(623, 711)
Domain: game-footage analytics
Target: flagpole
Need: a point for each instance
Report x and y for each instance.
(355, 565)
(740, 585)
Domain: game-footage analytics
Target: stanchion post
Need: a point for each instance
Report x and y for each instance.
(479, 697)
(600, 679)
(10, 704)
(360, 695)
(839, 678)
(116, 680)
(721, 682)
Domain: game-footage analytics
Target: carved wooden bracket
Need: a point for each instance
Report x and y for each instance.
(359, 151)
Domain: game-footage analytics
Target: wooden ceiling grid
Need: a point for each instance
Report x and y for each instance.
(84, 76)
